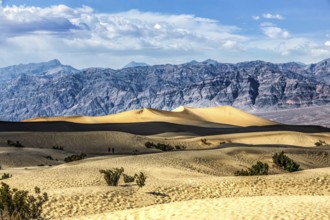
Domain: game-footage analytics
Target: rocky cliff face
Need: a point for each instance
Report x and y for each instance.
(251, 86)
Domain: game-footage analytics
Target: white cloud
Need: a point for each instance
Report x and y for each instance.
(320, 52)
(229, 44)
(327, 43)
(267, 24)
(273, 16)
(77, 32)
(275, 32)
(83, 37)
(255, 17)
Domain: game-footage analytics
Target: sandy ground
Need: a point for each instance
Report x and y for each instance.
(196, 183)
(259, 207)
(77, 189)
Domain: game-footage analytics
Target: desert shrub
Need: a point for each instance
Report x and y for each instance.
(14, 144)
(5, 176)
(75, 157)
(140, 179)
(149, 144)
(180, 147)
(320, 143)
(128, 179)
(112, 176)
(135, 152)
(164, 147)
(204, 141)
(49, 157)
(57, 147)
(285, 162)
(18, 204)
(257, 169)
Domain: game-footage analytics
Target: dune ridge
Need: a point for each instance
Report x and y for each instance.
(225, 116)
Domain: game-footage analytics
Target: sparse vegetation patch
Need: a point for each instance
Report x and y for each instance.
(75, 157)
(14, 144)
(257, 169)
(320, 143)
(164, 147)
(18, 204)
(57, 147)
(284, 162)
(128, 179)
(112, 176)
(140, 179)
(5, 176)
(204, 141)
(49, 157)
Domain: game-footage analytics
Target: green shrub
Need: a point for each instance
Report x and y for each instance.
(49, 157)
(320, 143)
(180, 147)
(112, 176)
(149, 144)
(14, 144)
(18, 204)
(204, 141)
(5, 176)
(257, 169)
(285, 162)
(57, 147)
(128, 179)
(164, 147)
(140, 179)
(75, 157)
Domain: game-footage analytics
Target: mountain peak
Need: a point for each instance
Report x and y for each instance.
(135, 64)
(54, 62)
(210, 61)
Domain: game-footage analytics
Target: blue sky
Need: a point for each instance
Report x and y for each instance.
(114, 32)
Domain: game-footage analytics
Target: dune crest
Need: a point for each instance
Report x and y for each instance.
(226, 115)
(205, 117)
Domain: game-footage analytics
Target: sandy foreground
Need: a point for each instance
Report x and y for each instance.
(195, 183)
(259, 207)
(185, 184)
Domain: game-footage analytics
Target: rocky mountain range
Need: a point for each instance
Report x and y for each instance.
(52, 89)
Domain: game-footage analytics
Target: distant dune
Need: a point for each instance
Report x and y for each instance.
(186, 126)
(222, 116)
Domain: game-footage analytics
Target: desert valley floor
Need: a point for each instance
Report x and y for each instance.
(197, 182)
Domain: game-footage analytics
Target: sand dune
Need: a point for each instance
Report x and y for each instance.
(196, 183)
(78, 191)
(260, 207)
(222, 116)
(225, 115)
(266, 138)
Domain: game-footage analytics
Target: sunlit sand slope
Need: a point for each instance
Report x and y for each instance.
(78, 189)
(260, 207)
(208, 117)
